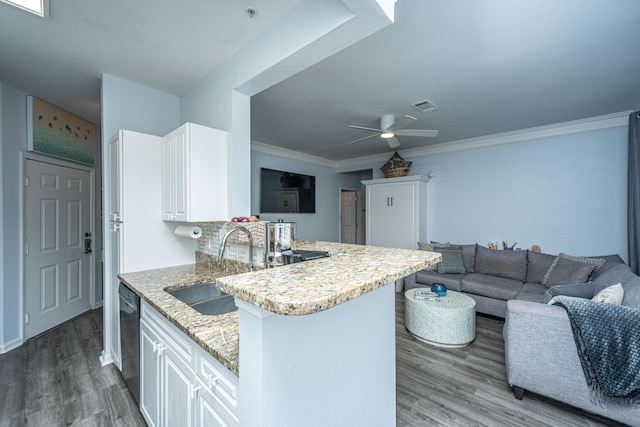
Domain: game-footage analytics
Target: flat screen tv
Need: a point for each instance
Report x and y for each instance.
(287, 192)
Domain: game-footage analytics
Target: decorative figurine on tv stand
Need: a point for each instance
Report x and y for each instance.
(439, 289)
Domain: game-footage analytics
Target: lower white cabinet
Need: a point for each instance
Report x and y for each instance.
(181, 384)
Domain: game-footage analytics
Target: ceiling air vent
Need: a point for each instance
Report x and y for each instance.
(425, 106)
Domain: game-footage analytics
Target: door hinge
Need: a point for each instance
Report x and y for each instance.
(26, 319)
(26, 249)
(26, 181)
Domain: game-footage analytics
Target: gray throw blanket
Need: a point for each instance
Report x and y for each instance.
(608, 341)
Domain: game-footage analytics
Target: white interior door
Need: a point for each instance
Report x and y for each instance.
(57, 268)
(349, 223)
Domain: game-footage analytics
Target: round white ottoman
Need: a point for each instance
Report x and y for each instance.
(450, 322)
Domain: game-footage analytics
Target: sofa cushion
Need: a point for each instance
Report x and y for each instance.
(538, 264)
(507, 264)
(620, 273)
(565, 271)
(578, 290)
(611, 295)
(451, 260)
(595, 262)
(469, 257)
(632, 293)
(610, 262)
(428, 278)
(501, 288)
(431, 248)
(534, 288)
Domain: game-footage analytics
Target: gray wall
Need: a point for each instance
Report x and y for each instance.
(566, 193)
(14, 141)
(323, 225)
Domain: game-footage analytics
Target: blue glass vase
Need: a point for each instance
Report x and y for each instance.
(439, 289)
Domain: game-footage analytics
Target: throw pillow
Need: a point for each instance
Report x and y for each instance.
(537, 265)
(596, 262)
(451, 260)
(565, 271)
(431, 247)
(612, 295)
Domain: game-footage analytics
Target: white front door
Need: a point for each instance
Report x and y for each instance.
(57, 267)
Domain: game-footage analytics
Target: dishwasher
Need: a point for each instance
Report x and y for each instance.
(130, 339)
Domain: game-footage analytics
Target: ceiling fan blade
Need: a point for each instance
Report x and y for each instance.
(362, 127)
(402, 122)
(393, 142)
(362, 139)
(417, 132)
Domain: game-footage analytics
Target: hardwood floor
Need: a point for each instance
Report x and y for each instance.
(468, 386)
(56, 380)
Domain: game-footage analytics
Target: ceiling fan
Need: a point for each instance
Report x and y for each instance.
(390, 128)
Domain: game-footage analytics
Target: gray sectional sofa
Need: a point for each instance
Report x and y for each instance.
(541, 355)
(493, 277)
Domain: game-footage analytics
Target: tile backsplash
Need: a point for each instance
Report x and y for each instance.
(237, 249)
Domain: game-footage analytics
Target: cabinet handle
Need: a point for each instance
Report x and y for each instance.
(211, 380)
(193, 390)
(391, 200)
(387, 201)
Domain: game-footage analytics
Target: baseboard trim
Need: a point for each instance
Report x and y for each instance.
(106, 359)
(11, 345)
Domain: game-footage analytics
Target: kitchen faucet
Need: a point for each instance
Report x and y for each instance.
(226, 236)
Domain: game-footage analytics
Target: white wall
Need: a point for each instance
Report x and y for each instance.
(566, 193)
(323, 225)
(14, 141)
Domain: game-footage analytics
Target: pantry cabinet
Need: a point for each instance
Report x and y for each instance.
(195, 174)
(180, 383)
(396, 211)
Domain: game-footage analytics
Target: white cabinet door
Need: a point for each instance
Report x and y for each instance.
(194, 175)
(167, 177)
(210, 410)
(396, 212)
(182, 175)
(115, 179)
(178, 391)
(151, 349)
(115, 268)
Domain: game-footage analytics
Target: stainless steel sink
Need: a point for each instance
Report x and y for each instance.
(205, 298)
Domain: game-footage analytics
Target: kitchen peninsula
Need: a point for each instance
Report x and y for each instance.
(318, 338)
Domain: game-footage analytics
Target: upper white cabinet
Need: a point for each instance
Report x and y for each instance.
(195, 174)
(396, 211)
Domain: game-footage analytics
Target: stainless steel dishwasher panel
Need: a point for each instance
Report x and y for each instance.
(130, 339)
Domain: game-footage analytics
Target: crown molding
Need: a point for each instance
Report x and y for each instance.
(261, 147)
(609, 121)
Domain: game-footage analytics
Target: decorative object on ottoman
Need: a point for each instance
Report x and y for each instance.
(449, 322)
(396, 166)
(439, 288)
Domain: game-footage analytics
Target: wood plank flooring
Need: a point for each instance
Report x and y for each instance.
(56, 380)
(468, 386)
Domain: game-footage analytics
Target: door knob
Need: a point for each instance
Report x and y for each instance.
(87, 243)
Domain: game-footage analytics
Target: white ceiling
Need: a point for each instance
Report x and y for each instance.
(161, 44)
(490, 66)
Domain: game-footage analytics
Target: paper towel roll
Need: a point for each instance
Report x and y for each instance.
(194, 232)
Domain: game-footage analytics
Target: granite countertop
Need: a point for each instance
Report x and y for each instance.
(313, 286)
(297, 289)
(216, 334)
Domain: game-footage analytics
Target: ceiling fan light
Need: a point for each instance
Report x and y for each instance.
(387, 135)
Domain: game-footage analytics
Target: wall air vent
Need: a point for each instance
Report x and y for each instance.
(424, 106)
